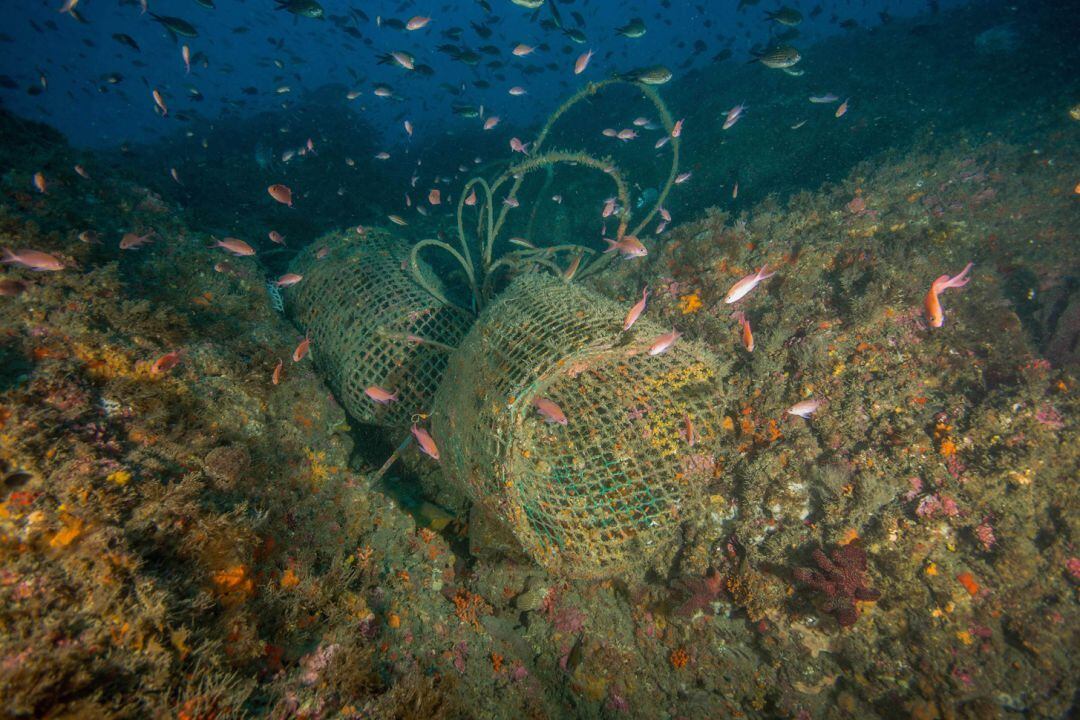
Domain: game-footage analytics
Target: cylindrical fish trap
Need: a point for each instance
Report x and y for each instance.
(370, 324)
(605, 492)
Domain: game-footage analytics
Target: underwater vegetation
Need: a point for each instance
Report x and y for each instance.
(871, 384)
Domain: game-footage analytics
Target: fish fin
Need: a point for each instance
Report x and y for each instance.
(9, 256)
(612, 244)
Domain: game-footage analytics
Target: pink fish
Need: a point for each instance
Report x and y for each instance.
(804, 409)
(521, 50)
(661, 142)
(288, 280)
(676, 130)
(276, 237)
(491, 122)
(682, 177)
(417, 22)
(661, 343)
(82, 172)
(518, 146)
(664, 213)
(744, 286)
(629, 246)
(551, 412)
(609, 208)
(517, 90)
(470, 199)
(840, 111)
(275, 377)
(235, 246)
(381, 396)
(32, 260)
(627, 134)
(635, 312)
(426, 442)
(733, 115)
(322, 253)
(582, 62)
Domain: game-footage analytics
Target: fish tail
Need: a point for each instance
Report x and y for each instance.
(9, 256)
(612, 245)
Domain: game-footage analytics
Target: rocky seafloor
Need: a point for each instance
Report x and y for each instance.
(201, 542)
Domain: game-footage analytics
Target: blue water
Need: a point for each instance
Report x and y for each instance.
(242, 39)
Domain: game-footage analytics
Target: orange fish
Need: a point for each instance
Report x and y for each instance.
(745, 285)
(235, 246)
(160, 102)
(842, 109)
(434, 197)
(689, 433)
(39, 182)
(661, 344)
(804, 409)
(32, 260)
(517, 91)
(491, 122)
(934, 314)
(301, 350)
(426, 442)
(165, 363)
(747, 333)
(276, 237)
(281, 193)
(635, 312)
(132, 241)
(629, 246)
(82, 172)
(380, 395)
(417, 22)
(276, 376)
(185, 53)
(582, 62)
(288, 280)
(470, 199)
(551, 412)
(676, 131)
(521, 49)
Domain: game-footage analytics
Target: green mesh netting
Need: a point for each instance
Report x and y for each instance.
(605, 492)
(360, 305)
